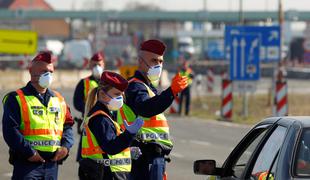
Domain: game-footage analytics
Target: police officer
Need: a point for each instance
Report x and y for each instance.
(105, 149)
(85, 85)
(37, 124)
(186, 93)
(143, 100)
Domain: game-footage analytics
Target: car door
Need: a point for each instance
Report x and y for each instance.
(235, 165)
(256, 153)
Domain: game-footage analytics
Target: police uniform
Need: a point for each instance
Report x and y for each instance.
(104, 149)
(35, 122)
(81, 91)
(186, 93)
(143, 99)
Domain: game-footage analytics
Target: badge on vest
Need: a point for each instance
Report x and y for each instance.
(37, 112)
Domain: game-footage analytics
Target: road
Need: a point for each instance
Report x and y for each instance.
(193, 139)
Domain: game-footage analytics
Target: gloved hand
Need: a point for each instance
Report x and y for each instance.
(135, 152)
(135, 126)
(179, 83)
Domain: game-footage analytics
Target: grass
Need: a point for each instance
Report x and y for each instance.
(258, 109)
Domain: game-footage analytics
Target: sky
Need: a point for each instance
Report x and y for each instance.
(187, 5)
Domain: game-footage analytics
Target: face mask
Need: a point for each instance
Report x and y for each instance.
(115, 103)
(97, 71)
(45, 80)
(154, 72)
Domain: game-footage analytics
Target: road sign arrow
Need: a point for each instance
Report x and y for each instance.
(235, 48)
(274, 35)
(17, 41)
(242, 45)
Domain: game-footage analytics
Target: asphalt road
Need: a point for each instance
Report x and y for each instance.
(193, 139)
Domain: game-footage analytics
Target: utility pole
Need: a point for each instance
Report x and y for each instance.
(241, 17)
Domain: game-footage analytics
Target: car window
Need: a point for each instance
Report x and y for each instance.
(241, 163)
(303, 155)
(267, 157)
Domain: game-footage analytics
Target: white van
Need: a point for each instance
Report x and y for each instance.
(76, 51)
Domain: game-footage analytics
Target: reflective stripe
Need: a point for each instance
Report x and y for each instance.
(92, 149)
(27, 131)
(114, 162)
(86, 88)
(25, 112)
(151, 123)
(41, 132)
(155, 136)
(45, 143)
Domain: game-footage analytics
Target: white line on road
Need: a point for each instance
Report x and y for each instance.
(9, 174)
(177, 155)
(205, 143)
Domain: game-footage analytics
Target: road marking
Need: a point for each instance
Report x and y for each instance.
(205, 143)
(9, 174)
(177, 155)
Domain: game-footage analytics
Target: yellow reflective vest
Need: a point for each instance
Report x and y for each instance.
(120, 162)
(42, 126)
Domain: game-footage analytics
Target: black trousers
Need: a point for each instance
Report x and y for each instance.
(185, 95)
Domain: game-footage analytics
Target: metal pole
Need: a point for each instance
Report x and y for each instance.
(241, 18)
(245, 104)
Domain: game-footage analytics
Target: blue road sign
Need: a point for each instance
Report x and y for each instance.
(244, 57)
(270, 40)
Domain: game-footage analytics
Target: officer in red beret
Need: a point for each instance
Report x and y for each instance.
(143, 100)
(105, 148)
(96, 65)
(37, 124)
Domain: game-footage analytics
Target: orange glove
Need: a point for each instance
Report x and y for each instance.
(179, 83)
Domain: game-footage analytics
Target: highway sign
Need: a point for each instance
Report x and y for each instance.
(18, 42)
(128, 70)
(270, 40)
(244, 57)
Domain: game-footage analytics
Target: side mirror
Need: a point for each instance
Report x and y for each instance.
(206, 167)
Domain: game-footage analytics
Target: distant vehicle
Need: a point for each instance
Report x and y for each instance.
(277, 148)
(76, 52)
(186, 46)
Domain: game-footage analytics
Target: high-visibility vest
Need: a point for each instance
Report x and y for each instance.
(42, 126)
(120, 162)
(89, 84)
(154, 128)
(187, 73)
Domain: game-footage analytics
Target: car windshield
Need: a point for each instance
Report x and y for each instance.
(302, 167)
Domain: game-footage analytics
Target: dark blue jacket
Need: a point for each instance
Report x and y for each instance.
(78, 97)
(138, 99)
(11, 121)
(104, 131)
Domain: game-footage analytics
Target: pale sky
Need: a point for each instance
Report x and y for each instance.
(188, 5)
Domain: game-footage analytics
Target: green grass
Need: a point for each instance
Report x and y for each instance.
(259, 108)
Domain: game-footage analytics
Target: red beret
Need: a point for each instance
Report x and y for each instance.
(45, 56)
(153, 46)
(115, 80)
(99, 56)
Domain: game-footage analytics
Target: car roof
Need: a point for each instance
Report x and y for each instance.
(303, 120)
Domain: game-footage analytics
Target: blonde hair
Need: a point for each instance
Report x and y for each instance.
(92, 99)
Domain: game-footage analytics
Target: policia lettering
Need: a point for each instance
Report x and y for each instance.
(120, 162)
(114, 162)
(44, 143)
(154, 128)
(42, 130)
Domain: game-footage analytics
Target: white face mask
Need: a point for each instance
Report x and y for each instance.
(45, 80)
(115, 103)
(154, 73)
(97, 71)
